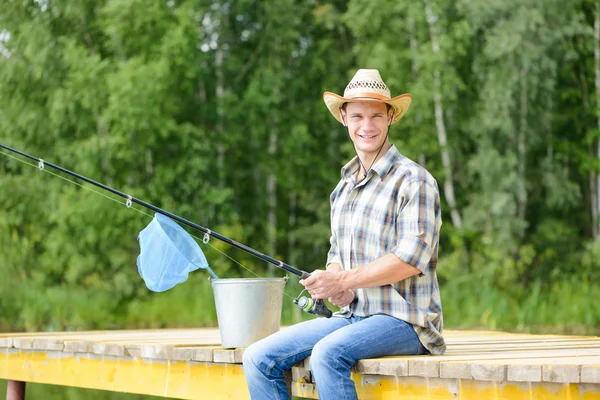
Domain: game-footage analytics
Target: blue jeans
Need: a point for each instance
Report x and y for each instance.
(334, 344)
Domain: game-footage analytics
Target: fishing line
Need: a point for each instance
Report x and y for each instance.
(141, 212)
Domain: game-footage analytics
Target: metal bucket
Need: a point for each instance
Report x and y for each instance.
(248, 309)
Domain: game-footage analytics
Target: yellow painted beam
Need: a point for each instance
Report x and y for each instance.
(405, 388)
(174, 379)
(195, 380)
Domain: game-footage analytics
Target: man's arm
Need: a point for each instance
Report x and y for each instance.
(382, 271)
(418, 226)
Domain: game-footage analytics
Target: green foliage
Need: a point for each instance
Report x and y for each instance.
(199, 106)
(195, 106)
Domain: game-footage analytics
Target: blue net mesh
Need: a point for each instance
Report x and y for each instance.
(168, 254)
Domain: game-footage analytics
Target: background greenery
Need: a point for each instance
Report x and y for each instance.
(212, 109)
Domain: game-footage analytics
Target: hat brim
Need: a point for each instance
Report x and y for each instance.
(399, 104)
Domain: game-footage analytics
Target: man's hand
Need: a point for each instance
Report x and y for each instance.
(343, 298)
(323, 284)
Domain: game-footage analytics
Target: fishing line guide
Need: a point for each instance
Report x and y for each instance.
(306, 304)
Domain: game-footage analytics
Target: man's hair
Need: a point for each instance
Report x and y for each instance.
(343, 107)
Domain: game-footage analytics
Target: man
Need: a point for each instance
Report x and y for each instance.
(381, 268)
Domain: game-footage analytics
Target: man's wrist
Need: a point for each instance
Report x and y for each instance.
(333, 267)
(344, 281)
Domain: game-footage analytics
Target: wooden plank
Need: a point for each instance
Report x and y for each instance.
(181, 341)
(197, 336)
(183, 353)
(558, 370)
(423, 367)
(78, 346)
(488, 372)
(108, 349)
(455, 370)
(590, 373)
(133, 351)
(383, 366)
(228, 356)
(161, 352)
(25, 343)
(517, 354)
(47, 344)
(465, 339)
(460, 341)
(525, 370)
(307, 362)
(88, 345)
(306, 390)
(561, 373)
(525, 373)
(204, 354)
(301, 374)
(531, 339)
(465, 350)
(459, 366)
(521, 346)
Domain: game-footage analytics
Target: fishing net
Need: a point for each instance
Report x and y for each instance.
(168, 254)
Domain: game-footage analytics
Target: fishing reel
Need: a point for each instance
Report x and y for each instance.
(308, 305)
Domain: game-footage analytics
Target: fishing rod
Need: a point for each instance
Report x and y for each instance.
(309, 305)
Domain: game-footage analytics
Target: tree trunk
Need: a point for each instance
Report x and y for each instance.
(297, 314)
(219, 129)
(594, 203)
(272, 198)
(522, 148)
(413, 46)
(413, 70)
(272, 189)
(596, 189)
(439, 121)
(204, 209)
(15, 390)
(292, 226)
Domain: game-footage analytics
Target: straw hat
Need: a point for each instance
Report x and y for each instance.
(367, 85)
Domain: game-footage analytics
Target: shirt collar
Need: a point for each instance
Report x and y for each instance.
(381, 167)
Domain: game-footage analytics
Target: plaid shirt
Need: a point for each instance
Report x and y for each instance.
(395, 209)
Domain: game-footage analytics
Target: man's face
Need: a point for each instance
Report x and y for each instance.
(367, 124)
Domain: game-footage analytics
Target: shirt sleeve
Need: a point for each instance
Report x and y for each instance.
(418, 224)
(334, 253)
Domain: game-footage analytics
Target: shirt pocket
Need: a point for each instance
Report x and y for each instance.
(376, 228)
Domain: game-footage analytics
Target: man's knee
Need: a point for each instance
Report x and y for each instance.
(252, 357)
(260, 356)
(326, 354)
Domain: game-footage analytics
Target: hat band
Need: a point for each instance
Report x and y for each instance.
(368, 95)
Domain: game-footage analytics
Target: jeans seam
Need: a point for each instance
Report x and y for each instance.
(275, 388)
(272, 364)
(339, 385)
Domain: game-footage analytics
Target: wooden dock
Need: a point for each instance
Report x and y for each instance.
(190, 364)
